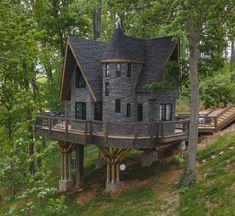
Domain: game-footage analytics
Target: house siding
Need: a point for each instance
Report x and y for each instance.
(79, 95)
(122, 88)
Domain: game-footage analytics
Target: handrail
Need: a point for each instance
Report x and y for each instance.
(225, 110)
(117, 123)
(207, 114)
(153, 130)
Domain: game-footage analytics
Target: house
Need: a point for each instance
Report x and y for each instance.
(109, 81)
(108, 103)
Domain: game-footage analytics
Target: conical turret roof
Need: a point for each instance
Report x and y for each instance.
(124, 47)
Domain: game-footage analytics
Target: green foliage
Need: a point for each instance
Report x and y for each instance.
(171, 78)
(217, 90)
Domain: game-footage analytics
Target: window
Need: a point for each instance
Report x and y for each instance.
(98, 111)
(139, 112)
(128, 110)
(117, 106)
(118, 70)
(106, 89)
(106, 70)
(80, 110)
(165, 112)
(129, 70)
(79, 79)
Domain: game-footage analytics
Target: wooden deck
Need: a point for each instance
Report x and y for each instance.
(126, 135)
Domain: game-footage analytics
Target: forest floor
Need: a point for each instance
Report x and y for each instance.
(157, 190)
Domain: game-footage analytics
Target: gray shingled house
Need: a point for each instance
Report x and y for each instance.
(108, 81)
(108, 104)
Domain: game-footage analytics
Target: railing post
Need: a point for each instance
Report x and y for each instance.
(66, 127)
(162, 132)
(157, 130)
(105, 131)
(85, 129)
(215, 123)
(91, 128)
(135, 131)
(49, 124)
(151, 130)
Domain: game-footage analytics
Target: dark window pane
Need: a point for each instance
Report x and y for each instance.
(106, 70)
(106, 89)
(165, 112)
(118, 70)
(117, 106)
(128, 110)
(98, 111)
(129, 70)
(139, 112)
(79, 79)
(80, 110)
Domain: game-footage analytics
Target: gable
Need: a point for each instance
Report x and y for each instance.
(87, 55)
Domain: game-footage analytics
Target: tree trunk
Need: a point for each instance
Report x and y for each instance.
(194, 106)
(97, 27)
(232, 59)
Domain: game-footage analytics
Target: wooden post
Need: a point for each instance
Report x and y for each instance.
(80, 165)
(105, 131)
(65, 166)
(117, 172)
(135, 131)
(85, 129)
(113, 172)
(66, 127)
(62, 165)
(215, 123)
(49, 124)
(108, 172)
(162, 132)
(69, 164)
(91, 128)
(157, 130)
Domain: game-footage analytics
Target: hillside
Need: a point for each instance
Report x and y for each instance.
(156, 191)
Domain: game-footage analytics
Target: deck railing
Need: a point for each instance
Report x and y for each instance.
(113, 129)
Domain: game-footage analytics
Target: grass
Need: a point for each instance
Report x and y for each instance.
(155, 190)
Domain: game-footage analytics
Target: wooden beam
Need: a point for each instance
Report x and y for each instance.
(121, 60)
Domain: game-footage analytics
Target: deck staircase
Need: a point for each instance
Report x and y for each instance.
(217, 119)
(226, 117)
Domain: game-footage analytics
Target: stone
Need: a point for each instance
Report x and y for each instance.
(213, 156)
(149, 157)
(221, 152)
(114, 187)
(66, 185)
(100, 163)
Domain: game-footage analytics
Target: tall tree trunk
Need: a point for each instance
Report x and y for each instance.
(232, 59)
(190, 173)
(97, 18)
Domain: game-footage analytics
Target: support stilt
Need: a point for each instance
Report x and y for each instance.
(113, 158)
(66, 183)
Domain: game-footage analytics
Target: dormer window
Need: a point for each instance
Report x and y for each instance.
(106, 70)
(118, 70)
(129, 70)
(79, 79)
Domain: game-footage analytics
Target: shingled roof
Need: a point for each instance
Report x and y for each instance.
(90, 54)
(124, 47)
